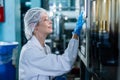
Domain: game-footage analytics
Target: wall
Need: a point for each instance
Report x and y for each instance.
(36, 3)
(10, 29)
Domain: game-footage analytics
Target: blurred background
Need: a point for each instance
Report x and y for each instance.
(99, 47)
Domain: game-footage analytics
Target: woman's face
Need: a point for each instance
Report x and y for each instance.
(45, 25)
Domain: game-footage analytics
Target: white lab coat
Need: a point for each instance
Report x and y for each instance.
(35, 64)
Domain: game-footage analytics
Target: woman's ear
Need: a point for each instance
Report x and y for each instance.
(35, 30)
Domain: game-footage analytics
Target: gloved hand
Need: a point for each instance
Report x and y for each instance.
(79, 24)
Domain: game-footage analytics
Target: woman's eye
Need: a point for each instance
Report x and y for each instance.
(47, 19)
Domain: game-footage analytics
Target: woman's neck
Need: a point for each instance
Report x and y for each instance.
(41, 39)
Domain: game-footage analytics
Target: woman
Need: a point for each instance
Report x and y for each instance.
(36, 60)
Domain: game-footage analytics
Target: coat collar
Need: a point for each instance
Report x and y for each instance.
(35, 41)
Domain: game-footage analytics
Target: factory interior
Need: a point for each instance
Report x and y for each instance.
(99, 41)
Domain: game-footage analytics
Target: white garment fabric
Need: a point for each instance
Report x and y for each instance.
(37, 64)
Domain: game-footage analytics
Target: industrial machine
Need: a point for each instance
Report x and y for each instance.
(58, 38)
(63, 24)
(99, 46)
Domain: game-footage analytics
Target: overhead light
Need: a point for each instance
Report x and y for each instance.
(28, 4)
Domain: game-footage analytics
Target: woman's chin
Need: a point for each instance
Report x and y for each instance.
(50, 32)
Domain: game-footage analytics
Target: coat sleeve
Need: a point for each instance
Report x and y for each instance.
(51, 64)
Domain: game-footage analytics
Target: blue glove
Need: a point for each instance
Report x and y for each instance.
(79, 24)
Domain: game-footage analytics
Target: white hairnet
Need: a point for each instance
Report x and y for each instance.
(31, 18)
